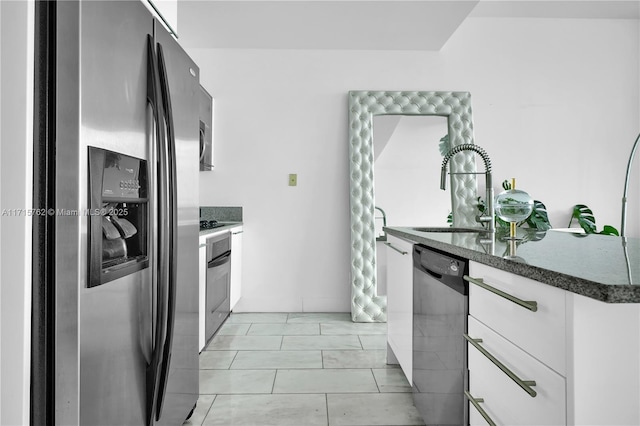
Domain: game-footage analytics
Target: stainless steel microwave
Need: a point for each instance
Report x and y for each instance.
(206, 130)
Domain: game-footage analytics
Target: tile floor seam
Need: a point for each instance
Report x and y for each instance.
(233, 360)
(375, 380)
(209, 410)
(326, 404)
(273, 385)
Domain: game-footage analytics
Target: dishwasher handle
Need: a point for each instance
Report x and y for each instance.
(430, 272)
(448, 270)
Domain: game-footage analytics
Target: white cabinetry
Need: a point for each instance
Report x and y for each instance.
(517, 358)
(236, 266)
(581, 353)
(202, 290)
(400, 302)
(604, 372)
(541, 332)
(505, 402)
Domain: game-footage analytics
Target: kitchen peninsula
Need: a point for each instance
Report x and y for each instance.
(570, 349)
(591, 265)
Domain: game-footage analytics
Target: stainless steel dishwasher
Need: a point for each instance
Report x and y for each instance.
(440, 308)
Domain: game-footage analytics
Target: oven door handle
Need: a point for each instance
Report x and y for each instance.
(219, 260)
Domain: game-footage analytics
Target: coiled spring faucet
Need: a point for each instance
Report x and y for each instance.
(489, 214)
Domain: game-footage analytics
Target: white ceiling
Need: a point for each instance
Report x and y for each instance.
(588, 9)
(362, 24)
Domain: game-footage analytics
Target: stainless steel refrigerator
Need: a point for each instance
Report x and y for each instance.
(116, 160)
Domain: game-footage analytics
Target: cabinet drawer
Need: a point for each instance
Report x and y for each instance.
(540, 333)
(505, 402)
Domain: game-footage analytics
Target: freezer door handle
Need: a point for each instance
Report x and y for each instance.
(153, 369)
(170, 248)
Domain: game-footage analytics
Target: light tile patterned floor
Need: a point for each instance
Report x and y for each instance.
(301, 369)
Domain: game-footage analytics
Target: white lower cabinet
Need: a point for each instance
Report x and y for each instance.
(517, 360)
(506, 402)
(235, 291)
(581, 353)
(202, 290)
(400, 301)
(540, 332)
(604, 374)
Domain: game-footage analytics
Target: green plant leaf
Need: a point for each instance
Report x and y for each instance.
(444, 145)
(585, 218)
(482, 207)
(609, 230)
(539, 219)
(501, 223)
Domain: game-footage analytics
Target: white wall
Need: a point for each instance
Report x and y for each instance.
(556, 105)
(16, 105)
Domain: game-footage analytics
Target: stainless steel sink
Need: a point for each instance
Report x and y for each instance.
(448, 229)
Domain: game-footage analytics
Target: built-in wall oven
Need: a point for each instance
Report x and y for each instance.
(218, 282)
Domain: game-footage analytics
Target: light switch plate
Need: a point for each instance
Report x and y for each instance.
(293, 179)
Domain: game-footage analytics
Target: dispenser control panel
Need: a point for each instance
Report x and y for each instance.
(121, 178)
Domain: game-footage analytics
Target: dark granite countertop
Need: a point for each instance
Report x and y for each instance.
(226, 227)
(602, 267)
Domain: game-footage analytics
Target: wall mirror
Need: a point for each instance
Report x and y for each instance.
(366, 304)
(407, 165)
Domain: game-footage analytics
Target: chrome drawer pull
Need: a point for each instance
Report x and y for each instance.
(402, 252)
(528, 304)
(524, 384)
(475, 402)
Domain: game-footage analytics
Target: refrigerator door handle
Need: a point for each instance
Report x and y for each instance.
(159, 312)
(171, 240)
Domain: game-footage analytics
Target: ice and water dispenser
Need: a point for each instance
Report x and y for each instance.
(119, 216)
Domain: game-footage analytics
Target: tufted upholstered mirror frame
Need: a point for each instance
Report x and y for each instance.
(366, 304)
